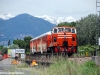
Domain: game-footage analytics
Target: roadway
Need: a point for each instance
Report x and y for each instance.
(6, 68)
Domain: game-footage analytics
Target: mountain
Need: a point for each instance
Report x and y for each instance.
(51, 19)
(23, 25)
(57, 20)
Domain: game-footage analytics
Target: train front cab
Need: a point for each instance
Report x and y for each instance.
(64, 39)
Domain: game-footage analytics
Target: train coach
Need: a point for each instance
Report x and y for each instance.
(59, 39)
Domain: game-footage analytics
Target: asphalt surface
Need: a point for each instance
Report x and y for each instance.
(5, 65)
(6, 68)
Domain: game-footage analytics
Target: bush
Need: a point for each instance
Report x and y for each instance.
(90, 64)
(89, 68)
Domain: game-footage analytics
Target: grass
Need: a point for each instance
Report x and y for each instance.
(63, 66)
(66, 67)
(23, 65)
(89, 68)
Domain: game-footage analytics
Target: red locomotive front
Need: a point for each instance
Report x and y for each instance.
(60, 39)
(63, 39)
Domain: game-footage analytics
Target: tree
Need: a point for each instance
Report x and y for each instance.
(9, 42)
(13, 46)
(3, 49)
(20, 43)
(27, 43)
(71, 24)
(87, 30)
(23, 43)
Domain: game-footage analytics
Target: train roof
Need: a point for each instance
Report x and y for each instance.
(47, 33)
(64, 27)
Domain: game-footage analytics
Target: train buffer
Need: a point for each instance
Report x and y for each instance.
(34, 63)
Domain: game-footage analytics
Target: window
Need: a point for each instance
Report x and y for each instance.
(73, 30)
(60, 29)
(67, 30)
(55, 30)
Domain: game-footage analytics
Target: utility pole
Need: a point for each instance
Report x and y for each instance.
(98, 6)
(96, 58)
(98, 20)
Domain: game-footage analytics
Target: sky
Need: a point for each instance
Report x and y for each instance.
(55, 8)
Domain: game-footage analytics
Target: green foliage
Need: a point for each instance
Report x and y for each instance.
(20, 43)
(27, 52)
(62, 67)
(9, 42)
(23, 43)
(66, 67)
(90, 64)
(87, 48)
(89, 68)
(3, 49)
(87, 30)
(27, 42)
(71, 24)
(13, 46)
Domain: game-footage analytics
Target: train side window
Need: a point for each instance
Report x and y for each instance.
(55, 30)
(73, 30)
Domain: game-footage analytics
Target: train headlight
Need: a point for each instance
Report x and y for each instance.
(55, 39)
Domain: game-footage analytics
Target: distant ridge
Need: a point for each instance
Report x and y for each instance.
(23, 25)
(51, 19)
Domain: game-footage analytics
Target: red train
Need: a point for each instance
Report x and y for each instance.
(59, 39)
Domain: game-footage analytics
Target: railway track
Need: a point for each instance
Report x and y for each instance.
(47, 59)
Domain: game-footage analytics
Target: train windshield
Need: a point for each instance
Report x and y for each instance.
(60, 29)
(67, 30)
(57, 30)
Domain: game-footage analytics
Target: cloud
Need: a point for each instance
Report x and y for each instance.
(6, 16)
